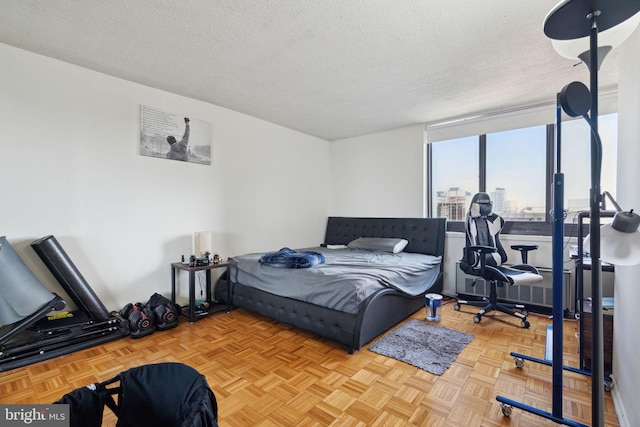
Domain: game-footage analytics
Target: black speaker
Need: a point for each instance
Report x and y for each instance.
(141, 319)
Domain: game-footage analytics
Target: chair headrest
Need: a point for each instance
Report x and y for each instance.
(481, 205)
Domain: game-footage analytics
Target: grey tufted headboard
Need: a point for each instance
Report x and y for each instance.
(425, 235)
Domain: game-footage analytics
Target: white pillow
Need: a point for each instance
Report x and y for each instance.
(385, 244)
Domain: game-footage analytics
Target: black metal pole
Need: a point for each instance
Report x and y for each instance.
(557, 273)
(597, 352)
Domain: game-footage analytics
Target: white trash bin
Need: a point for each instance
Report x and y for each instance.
(433, 304)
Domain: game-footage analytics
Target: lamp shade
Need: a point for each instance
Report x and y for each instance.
(620, 240)
(202, 242)
(619, 248)
(607, 40)
(571, 19)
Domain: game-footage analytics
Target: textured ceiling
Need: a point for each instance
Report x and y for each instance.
(329, 68)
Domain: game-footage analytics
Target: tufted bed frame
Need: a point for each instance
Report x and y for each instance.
(379, 312)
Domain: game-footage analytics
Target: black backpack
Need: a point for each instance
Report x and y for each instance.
(158, 395)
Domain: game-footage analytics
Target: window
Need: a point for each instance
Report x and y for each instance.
(455, 176)
(576, 161)
(515, 168)
(516, 172)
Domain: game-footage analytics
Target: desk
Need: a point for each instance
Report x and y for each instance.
(582, 281)
(213, 308)
(583, 307)
(583, 260)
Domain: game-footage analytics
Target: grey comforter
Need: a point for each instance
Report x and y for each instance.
(344, 280)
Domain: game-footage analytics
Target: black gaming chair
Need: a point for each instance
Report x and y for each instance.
(484, 256)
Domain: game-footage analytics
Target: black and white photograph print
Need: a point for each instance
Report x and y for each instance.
(174, 137)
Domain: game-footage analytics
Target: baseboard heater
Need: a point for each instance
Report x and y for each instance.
(537, 298)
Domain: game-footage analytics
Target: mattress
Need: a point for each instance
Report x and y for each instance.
(344, 280)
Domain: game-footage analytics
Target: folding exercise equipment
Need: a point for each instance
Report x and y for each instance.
(26, 334)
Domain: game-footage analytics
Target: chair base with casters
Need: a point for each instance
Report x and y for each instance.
(492, 304)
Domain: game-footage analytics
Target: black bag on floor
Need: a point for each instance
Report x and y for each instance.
(163, 394)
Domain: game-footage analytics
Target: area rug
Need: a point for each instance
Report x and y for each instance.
(427, 346)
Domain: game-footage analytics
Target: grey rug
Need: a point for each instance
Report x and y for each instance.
(424, 345)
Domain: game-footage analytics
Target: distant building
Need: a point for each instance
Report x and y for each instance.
(498, 198)
(453, 204)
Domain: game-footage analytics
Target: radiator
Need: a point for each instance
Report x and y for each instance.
(538, 295)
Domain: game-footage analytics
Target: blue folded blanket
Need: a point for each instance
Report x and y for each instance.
(288, 258)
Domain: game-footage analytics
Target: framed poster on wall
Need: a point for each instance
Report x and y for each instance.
(174, 137)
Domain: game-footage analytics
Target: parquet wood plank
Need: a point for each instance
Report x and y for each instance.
(265, 373)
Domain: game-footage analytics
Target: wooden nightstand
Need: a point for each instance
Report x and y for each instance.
(191, 306)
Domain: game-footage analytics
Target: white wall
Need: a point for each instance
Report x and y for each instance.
(626, 342)
(69, 166)
(375, 175)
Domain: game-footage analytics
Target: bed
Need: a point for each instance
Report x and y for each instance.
(345, 319)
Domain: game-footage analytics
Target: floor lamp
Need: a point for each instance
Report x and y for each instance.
(581, 21)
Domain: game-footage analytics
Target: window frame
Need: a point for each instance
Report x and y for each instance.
(533, 228)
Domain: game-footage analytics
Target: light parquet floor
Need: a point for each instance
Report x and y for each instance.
(264, 373)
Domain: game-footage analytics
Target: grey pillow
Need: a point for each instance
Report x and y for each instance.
(385, 244)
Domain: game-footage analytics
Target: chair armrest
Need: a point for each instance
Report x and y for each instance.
(483, 249)
(525, 267)
(489, 272)
(524, 250)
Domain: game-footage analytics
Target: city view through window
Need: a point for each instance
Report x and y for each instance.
(516, 171)
(454, 204)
